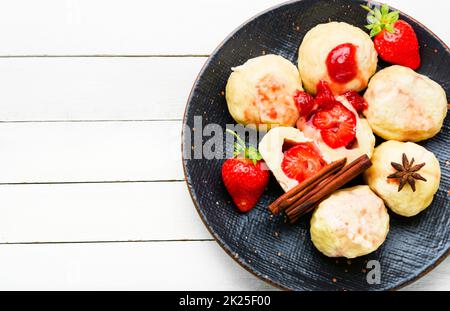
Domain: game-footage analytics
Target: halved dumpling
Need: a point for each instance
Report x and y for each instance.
(290, 156)
(363, 141)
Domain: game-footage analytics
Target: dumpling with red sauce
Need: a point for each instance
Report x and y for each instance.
(341, 54)
(261, 92)
(335, 123)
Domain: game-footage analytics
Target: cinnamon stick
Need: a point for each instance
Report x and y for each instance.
(310, 183)
(327, 180)
(326, 188)
(301, 194)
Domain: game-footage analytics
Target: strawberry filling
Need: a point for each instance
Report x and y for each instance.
(341, 63)
(305, 103)
(337, 124)
(323, 91)
(302, 161)
(357, 101)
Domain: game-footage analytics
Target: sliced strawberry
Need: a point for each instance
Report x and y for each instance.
(357, 101)
(305, 103)
(337, 125)
(302, 161)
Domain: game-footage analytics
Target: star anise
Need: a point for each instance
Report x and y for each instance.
(407, 173)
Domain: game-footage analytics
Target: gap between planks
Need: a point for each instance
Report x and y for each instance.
(106, 55)
(108, 242)
(90, 182)
(86, 121)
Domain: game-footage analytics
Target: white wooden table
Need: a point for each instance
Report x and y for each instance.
(91, 185)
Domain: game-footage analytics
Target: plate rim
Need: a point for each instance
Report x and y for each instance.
(187, 177)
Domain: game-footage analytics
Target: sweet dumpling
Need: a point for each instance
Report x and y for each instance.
(407, 197)
(338, 53)
(363, 141)
(261, 91)
(290, 156)
(350, 223)
(404, 105)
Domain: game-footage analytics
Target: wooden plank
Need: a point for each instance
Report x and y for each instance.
(123, 266)
(90, 151)
(427, 14)
(436, 280)
(98, 212)
(98, 88)
(140, 266)
(139, 27)
(136, 27)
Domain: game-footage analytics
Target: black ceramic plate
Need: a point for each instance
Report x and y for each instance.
(283, 254)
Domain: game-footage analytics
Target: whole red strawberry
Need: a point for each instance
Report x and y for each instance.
(395, 40)
(245, 176)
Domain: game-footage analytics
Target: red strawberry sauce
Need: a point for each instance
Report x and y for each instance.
(341, 63)
(357, 101)
(336, 123)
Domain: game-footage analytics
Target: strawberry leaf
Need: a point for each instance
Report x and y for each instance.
(392, 17)
(373, 33)
(371, 19)
(390, 28)
(380, 19)
(377, 13)
(240, 149)
(368, 9)
(377, 28)
(253, 154)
